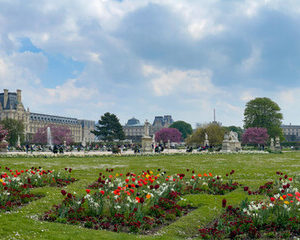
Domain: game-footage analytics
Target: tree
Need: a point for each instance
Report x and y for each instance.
(263, 113)
(165, 134)
(214, 132)
(109, 128)
(15, 130)
(59, 135)
(3, 135)
(238, 130)
(183, 127)
(255, 136)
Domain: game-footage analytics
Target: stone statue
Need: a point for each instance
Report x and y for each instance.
(233, 136)
(231, 142)
(226, 137)
(277, 142)
(146, 128)
(206, 142)
(272, 144)
(146, 139)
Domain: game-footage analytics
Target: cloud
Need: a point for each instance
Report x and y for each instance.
(150, 57)
(165, 82)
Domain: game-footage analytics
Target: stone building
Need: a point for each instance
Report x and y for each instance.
(11, 107)
(134, 130)
(291, 132)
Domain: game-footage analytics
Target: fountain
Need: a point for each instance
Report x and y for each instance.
(49, 137)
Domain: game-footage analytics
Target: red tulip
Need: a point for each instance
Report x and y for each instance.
(224, 201)
(87, 191)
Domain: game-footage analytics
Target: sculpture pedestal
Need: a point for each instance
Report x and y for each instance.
(147, 144)
(231, 146)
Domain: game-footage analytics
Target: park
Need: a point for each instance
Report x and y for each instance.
(28, 221)
(147, 119)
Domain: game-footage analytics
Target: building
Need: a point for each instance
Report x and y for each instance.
(11, 107)
(161, 122)
(134, 130)
(291, 132)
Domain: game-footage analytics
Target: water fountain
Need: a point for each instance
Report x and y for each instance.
(49, 137)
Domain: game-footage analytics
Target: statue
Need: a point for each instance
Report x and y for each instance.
(233, 136)
(277, 142)
(206, 142)
(231, 142)
(272, 147)
(146, 128)
(146, 139)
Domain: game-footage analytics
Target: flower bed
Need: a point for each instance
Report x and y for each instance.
(15, 185)
(135, 202)
(276, 217)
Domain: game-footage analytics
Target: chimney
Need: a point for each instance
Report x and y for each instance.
(5, 98)
(19, 96)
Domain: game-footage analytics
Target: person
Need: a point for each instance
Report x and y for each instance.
(61, 150)
(55, 149)
(27, 148)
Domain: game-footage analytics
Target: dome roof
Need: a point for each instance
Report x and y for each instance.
(133, 121)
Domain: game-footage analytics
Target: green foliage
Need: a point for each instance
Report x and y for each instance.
(109, 128)
(15, 128)
(183, 127)
(264, 113)
(215, 135)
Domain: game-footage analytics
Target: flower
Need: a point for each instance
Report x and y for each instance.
(87, 191)
(284, 196)
(102, 192)
(148, 196)
(286, 202)
(224, 201)
(63, 192)
(272, 199)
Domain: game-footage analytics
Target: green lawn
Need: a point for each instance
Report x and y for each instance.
(250, 169)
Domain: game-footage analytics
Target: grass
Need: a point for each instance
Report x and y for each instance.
(251, 169)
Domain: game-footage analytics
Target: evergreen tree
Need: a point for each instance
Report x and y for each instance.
(109, 128)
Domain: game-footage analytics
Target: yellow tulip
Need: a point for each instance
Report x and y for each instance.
(286, 202)
(281, 198)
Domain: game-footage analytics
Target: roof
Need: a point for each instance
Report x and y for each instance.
(133, 122)
(12, 101)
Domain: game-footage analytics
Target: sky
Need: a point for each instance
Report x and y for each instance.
(146, 58)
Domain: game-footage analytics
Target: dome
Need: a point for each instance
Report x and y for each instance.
(133, 121)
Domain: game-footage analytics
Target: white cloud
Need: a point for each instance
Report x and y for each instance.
(252, 62)
(246, 96)
(165, 82)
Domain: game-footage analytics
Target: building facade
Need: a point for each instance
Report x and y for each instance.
(134, 130)
(11, 107)
(291, 132)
